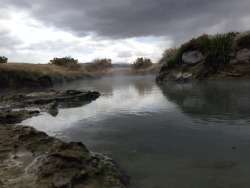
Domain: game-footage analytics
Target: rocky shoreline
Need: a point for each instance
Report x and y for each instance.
(31, 158)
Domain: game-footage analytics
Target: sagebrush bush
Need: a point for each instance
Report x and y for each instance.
(195, 44)
(3, 59)
(99, 65)
(175, 59)
(141, 62)
(216, 50)
(68, 62)
(167, 54)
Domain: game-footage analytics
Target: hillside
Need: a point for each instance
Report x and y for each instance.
(221, 56)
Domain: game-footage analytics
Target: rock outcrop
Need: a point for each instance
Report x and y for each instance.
(192, 57)
(32, 159)
(29, 158)
(11, 105)
(223, 56)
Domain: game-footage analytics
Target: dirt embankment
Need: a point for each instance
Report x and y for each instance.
(30, 158)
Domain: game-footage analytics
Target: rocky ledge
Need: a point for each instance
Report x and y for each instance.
(17, 107)
(30, 158)
(222, 56)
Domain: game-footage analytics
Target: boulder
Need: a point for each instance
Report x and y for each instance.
(192, 57)
(243, 56)
(183, 76)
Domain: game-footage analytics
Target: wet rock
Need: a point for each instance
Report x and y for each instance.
(183, 76)
(48, 101)
(55, 163)
(94, 162)
(10, 117)
(174, 76)
(52, 108)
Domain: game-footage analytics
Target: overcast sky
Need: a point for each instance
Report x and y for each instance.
(35, 31)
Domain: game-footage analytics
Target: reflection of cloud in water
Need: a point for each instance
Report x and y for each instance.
(125, 100)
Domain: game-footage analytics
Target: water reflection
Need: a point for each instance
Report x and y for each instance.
(213, 100)
(131, 95)
(156, 133)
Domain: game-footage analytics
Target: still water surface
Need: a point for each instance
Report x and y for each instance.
(177, 135)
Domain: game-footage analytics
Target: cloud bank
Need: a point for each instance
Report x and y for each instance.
(122, 29)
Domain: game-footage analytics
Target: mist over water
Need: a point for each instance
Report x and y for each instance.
(173, 135)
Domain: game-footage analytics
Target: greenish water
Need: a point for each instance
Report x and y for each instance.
(177, 135)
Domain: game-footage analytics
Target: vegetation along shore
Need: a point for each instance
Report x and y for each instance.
(221, 56)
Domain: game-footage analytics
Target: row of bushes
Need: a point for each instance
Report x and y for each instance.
(95, 65)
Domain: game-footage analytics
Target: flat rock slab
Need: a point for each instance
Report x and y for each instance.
(14, 108)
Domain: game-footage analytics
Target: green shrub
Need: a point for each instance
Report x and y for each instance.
(167, 54)
(141, 63)
(102, 63)
(68, 62)
(99, 65)
(175, 59)
(217, 49)
(3, 59)
(195, 44)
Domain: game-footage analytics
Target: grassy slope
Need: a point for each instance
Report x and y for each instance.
(218, 51)
(25, 74)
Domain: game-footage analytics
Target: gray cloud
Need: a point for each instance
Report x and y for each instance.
(125, 54)
(8, 42)
(116, 19)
